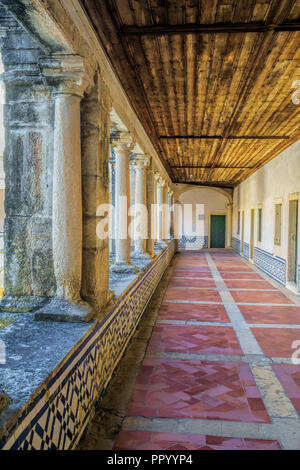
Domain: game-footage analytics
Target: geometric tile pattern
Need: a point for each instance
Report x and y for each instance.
(55, 417)
(194, 339)
(236, 245)
(193, 312)
(193, 242)
(272, 265)
(246, 250)
(174, 388)
(133, 440)
(289, 376)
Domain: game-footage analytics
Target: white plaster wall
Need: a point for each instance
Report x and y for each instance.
(214, 202)
(277, 179)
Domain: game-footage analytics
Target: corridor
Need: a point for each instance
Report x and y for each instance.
(218, 372)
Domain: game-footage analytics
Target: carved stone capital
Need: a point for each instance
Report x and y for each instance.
(68, 74)
(122, 141)
(141, 160)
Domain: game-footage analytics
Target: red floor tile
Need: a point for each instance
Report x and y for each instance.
(271, 314)
(240, 275)
(136, 440)
(175, 282)
(180, 273)
(275, 297)
(204, 295)
(194, 339)
(192, 389)
(193, 312)
(190, 269)
(246, 284)
(289, 376)
(276, 342)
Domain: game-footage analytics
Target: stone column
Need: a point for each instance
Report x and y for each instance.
(112, 190)
(161, 211)
(171, 193)
(150, 183)
(229, 225)
(70, 80)
(141, 164)
(123, 144)
(28, 161)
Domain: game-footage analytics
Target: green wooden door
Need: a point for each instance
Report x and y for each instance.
(217, 231)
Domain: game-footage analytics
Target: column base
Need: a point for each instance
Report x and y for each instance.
(161, 244)
(62, 310)
(123, 268)
(22, 304)
(140, 255)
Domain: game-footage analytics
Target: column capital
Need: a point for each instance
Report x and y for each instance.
(161, 182)
(68, 74)
(141, 160)
(122, 141)
(229, 205)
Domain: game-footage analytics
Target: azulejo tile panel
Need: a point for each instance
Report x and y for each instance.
(193, 242)
(272, 265)
(246, 251)
(236, 245)
(61, 407)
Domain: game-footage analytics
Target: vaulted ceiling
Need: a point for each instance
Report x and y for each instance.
(211, 80)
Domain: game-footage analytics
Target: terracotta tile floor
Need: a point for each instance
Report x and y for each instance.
(240, 275)
(289, 376)
(246, 284)
(276, 342)
(271, 314)
(192, 339)
(188, 274)
(172, 384)
(260, 297)
(206, 295)
(175, 282)
(189, 389)
(193, 312)
(166, 441)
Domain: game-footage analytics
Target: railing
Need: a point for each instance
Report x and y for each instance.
(57, 413)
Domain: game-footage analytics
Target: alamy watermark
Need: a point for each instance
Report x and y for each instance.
(188, 220)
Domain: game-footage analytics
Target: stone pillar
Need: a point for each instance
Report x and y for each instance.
(95, 119)
(28, 161)
(150, 183)
(161, 211)
(122, 146)
(141, 164)
(68, 76)
(229, 225)
(112, 190)
(171, 193)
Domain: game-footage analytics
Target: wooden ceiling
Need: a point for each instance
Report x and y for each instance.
(210, 80)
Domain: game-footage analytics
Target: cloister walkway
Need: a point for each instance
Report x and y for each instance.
(218, 370)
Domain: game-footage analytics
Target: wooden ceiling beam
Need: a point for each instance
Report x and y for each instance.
(220, 137)
(209, 28)
(214, 168)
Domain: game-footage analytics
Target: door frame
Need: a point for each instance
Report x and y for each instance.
(252, 234)
(293, 197)
(209, 226)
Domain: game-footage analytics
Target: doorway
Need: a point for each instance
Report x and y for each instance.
(292, 241)
(217, 231)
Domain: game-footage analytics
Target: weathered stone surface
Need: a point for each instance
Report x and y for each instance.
(4, 401)
(28, 166)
